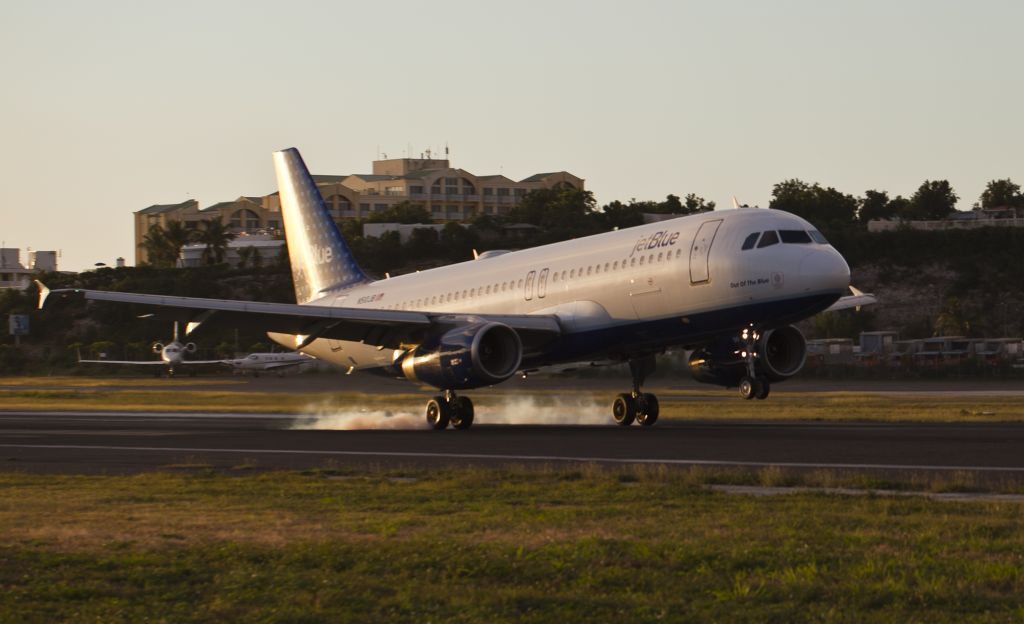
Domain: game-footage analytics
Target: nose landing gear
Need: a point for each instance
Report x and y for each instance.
(752, 386)
(640, 407)
(449, 409)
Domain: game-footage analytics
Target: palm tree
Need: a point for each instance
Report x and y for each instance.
(163, 244)
(216, 236)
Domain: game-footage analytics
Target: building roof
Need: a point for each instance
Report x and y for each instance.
(224, 204)
(161, 208)
(422, 173)
(369, 177)
(329, 179)
(537, 177)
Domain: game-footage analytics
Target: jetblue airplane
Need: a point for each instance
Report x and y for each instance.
(727, 284)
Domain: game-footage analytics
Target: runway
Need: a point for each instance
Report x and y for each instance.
(126, 443)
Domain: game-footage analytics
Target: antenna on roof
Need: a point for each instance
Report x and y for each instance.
(446, 149)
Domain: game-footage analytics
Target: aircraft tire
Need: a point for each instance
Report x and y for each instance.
(747, 388)
(624, 410)
(437, 413)
(462, 415)
(761, 389)
(648, 414)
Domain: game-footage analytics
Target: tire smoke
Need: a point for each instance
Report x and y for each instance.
(509, 411)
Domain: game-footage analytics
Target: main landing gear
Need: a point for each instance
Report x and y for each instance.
(752, 386)
(640, 407)
(448, 409)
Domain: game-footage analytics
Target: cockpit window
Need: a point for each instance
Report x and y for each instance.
(769, 238)
(799, 237)
(818, 237)
(750, 241)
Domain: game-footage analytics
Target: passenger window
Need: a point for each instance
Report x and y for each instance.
(563, 276)
(660, 255)
(679, 252)
(589, 269)
(606, 267)
(632, 262)
(750, 241)
(615, 266)
(572, 273)
(768, 238)
(642, 260)
(795, 237)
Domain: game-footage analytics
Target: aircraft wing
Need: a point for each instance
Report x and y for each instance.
(856, 300)
(390, 329)
(126, 362)
(152, 362)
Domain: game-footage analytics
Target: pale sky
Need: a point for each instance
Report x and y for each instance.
(108, 107)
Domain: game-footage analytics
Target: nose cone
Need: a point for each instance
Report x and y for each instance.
(825, 270)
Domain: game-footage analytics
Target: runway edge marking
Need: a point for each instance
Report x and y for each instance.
(497, 456)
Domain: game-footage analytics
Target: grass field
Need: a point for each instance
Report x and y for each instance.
(525, 545)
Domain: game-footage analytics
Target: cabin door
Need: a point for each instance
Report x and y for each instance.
(700, 250)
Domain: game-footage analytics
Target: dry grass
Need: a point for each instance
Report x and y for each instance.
(521, 544)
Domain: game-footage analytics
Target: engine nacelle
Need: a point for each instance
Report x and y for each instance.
(158, 347)
(780, 355)
(466, 357)
(190, 347)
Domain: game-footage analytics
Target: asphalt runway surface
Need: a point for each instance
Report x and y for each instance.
(125, 443)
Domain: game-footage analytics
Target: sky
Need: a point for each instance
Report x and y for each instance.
(108, 107)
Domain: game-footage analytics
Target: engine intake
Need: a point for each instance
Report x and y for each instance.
(781, 353)
(481, 354)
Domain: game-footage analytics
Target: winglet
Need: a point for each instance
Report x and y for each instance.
(735, 202)
(44, 292)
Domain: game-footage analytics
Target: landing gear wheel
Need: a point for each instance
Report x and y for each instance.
(437, 413)
(747, 388)
(761, 389)
(462, 415)
(647, 415)
(624, 410)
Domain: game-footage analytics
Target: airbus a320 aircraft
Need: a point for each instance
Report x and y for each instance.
(727, 284)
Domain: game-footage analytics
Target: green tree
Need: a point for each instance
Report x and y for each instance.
(402, 212)
(215, 236)
(934, 199)
(952, 321)
(695, 204)
(619, 215)
(163, 244)
(563, 208)
(824, 207)
(1000, 193)
(875, 205)
(245, 256)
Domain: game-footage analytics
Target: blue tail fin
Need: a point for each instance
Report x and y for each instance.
(320, 259)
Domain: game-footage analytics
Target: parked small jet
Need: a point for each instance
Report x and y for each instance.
(172, 356)
(257, 363)
(726, 284)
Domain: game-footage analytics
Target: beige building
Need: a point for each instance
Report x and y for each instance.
(448, 194)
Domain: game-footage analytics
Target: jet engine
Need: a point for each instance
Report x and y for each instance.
(480, 354)
(780, 354)
(158, 347)
(190, 347)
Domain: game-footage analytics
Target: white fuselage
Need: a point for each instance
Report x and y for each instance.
(266, 361)
(672, 271)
